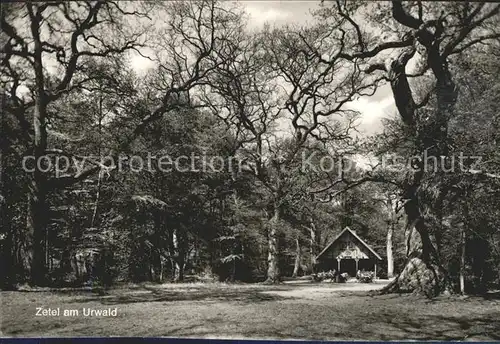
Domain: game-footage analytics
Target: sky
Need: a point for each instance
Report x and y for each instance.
(279, 12)
(373, 109)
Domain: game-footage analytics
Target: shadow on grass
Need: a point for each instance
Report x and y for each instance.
(420, 325)
(385, 328)
(453, 328)
(152, 294)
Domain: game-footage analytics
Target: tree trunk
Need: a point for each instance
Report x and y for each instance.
(179, 256)
(160, 277)
(179, 270)
(390, 257)
(297, 258)
(37, 225)
(462, 260)
(152, 274)
(7, 253)
(38, 209)
(37, 206)
(273, 275)
(7, 264)
(423, 273)
(314, 245)
(233, 271)
(392, 221)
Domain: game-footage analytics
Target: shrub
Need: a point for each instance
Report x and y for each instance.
(324, 275)
(365, 276)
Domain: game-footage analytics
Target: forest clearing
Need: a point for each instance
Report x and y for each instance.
(320, 311)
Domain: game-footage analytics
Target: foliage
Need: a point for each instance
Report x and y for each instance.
(365, 276)
(325, 275)
(265, 99)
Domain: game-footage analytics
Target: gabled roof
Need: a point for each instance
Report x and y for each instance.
(347, 229)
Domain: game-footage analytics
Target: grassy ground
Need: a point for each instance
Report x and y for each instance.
(299, 311)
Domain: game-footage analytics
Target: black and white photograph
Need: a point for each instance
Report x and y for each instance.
(250, 170)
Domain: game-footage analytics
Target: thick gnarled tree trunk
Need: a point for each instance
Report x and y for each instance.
(424, 271)
(37, 197)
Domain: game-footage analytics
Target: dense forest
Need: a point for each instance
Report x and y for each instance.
(236, 156)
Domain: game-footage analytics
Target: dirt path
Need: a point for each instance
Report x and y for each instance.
(317, 290)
